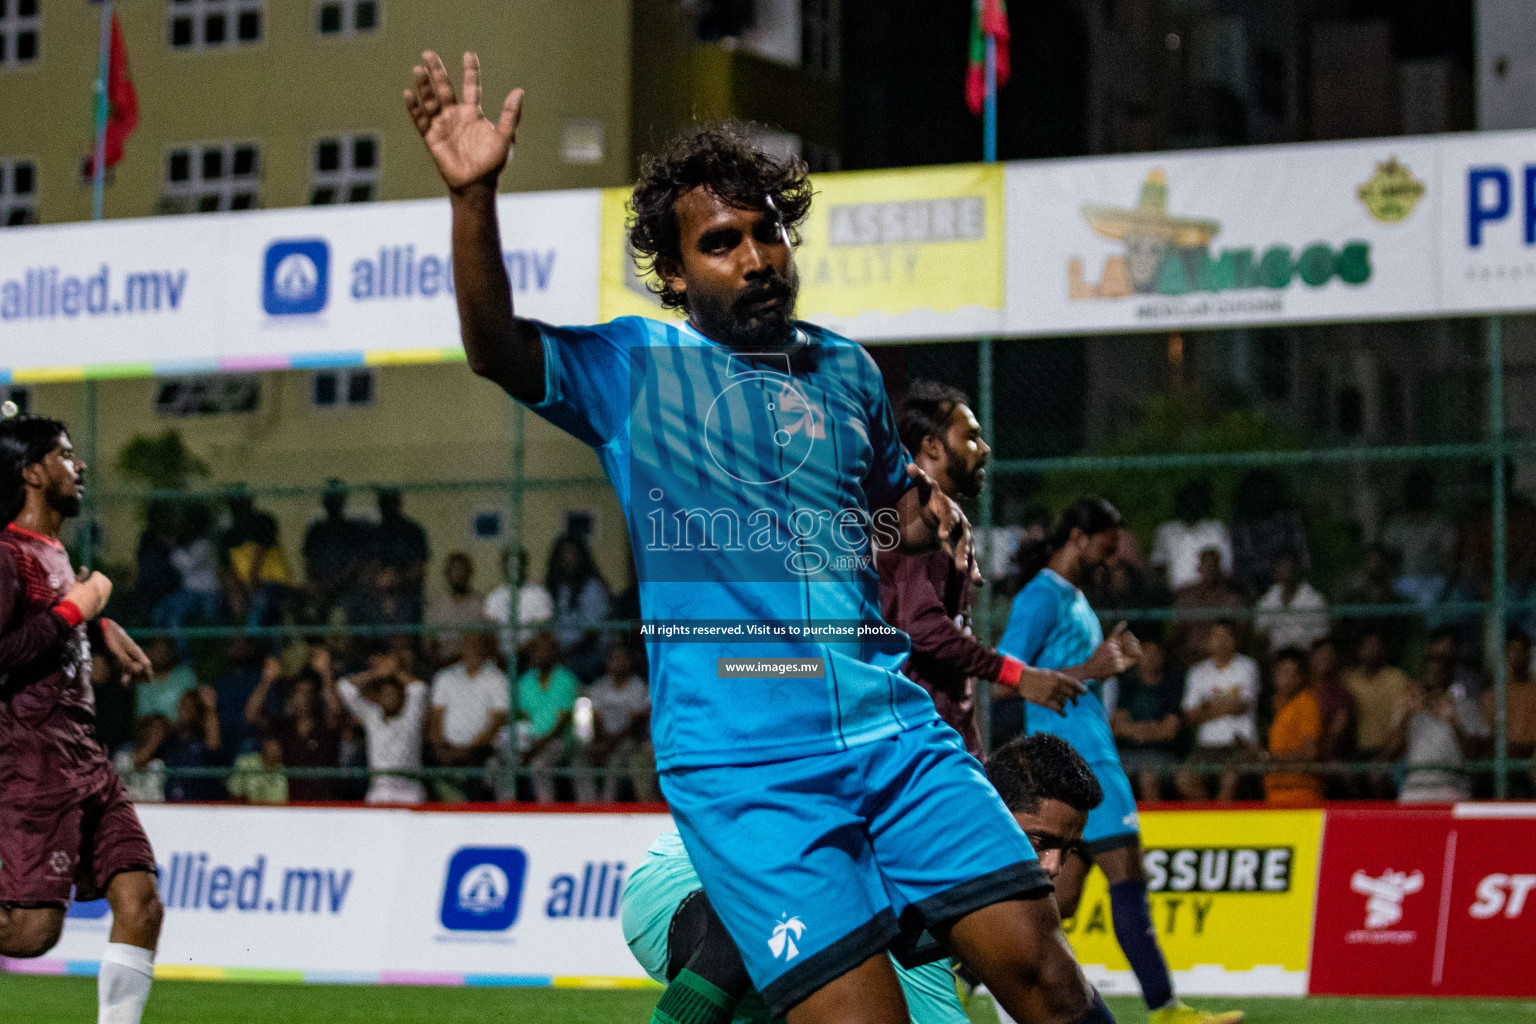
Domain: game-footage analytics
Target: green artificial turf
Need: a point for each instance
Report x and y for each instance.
(72, 1000)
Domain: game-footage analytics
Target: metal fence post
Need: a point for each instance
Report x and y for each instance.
(1499, 599)
(982, 619)
(87, 538)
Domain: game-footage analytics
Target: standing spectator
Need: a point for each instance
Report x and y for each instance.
(1220, 697)
(259, 776)
(1334, 700)
(240, 679)
(1374, 586)
(621, 708)
(546, 701)
(193, 743)
(518, 604)
(1440, 674)
(1466, 684)
(155, 577)
(1378, 688)
(455, 610)
(1209, 591)
(1265, 528)
(581, 605)
(196, 597)
(1519, 700)
(1296, 735)
(469, 709)
(335, 552)
(1177, 545)
(255, 571)
(1292, 613)
(1424, 543)
(1146, 720)
(161, 694)
(391, 705)
(400, 546)
(308, 730)
(1428, 739)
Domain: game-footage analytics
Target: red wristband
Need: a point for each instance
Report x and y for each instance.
(1011, 672)
(70, 613)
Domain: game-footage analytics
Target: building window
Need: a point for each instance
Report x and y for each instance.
(581, 142)
(342, 389)
(820, 44)
(346, 18)
(19, 25)
(209, 176)
(18, 191)
(203, 24)
(346, 170)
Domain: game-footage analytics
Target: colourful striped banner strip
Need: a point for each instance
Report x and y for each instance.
(444, 979)
(233, 364)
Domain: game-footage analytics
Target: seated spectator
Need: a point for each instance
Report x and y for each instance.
(1373, 586)
(530, 601)
(621, 707)
(155, 579)
(399, 545)
(1440, 674)
(234, 687)
(258, 777)
(1424, 543)
(391, 704)
(546, 701)
(1519, 701)
(1210, 591)
(1220, 697)
(196, 598)
(138, 763)
(1146, 720)
(1296, 735)
(1177, 545)
(454, 610)
(161, 695)
(1378, 689)
(255, 572)
(335, 552)
(1334, 700)
(194, 742)
(581, 605)
(1292, 613)
(469, 710)
(308, 728)
(1265, 528)
(114, 698)
(1465, 683)
(1429, 741)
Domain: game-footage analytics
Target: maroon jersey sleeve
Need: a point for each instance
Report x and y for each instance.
(23, 636)
(942, 652)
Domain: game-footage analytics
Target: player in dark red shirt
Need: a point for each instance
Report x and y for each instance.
(65, 821)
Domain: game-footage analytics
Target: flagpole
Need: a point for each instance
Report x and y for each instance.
(99, 158)
(984, 401)
(989, 115)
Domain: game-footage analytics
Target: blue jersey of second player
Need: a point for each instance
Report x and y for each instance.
(1052, 626)
(753, 486)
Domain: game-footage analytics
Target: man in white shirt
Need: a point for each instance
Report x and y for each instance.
(621, 709)
(1292, 613)
(470, 706)
(1220, 695)
(532, 605)
(1177, 544)
(454, 610)
(391, 707)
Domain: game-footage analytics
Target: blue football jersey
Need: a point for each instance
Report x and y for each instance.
(1052, 626)
(753, 486)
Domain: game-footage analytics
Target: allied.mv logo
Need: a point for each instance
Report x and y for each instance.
(484, 888)
(785, 934)
(296, 277)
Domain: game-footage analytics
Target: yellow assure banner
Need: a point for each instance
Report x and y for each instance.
(1231, 890)
(884, 254)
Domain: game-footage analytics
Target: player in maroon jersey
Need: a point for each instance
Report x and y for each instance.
(65, 821)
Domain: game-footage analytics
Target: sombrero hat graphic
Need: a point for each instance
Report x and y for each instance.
(1148, 221)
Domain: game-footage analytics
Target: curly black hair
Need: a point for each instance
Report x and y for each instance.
(24, 441)
(926, 410)
(719, 156)
(1030, 769)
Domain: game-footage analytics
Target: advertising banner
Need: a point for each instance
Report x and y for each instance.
(1231, 895)
(1488, 222)
(1215, 238)
(885, 255)
(1427, 903)
(343, 285)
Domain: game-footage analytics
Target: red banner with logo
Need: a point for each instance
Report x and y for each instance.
(1432, 902)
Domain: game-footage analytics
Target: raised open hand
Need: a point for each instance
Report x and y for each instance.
(467, 146)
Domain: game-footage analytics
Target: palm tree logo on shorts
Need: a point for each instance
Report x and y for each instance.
(785, 933)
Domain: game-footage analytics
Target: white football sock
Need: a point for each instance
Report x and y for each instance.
(122, 987)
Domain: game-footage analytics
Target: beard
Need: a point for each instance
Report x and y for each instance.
(66, 505)
(966, 482)
(736, 324)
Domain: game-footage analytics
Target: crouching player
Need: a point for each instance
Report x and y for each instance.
(676, 937)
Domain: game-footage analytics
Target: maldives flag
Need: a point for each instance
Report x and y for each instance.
(988, 18)
(122, 102)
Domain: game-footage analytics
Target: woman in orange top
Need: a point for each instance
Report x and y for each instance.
(1296, 734)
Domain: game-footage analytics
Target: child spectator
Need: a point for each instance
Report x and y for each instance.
(391, 705)
(621, 706)
(1296, 735)
(162, 693)
(1220, 695)
(546, 700)
(1292, 613)
(259, 776)
(1146, 719)
(308, 728)
(469, 709)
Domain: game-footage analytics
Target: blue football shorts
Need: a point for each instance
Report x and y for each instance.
(816, 864)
